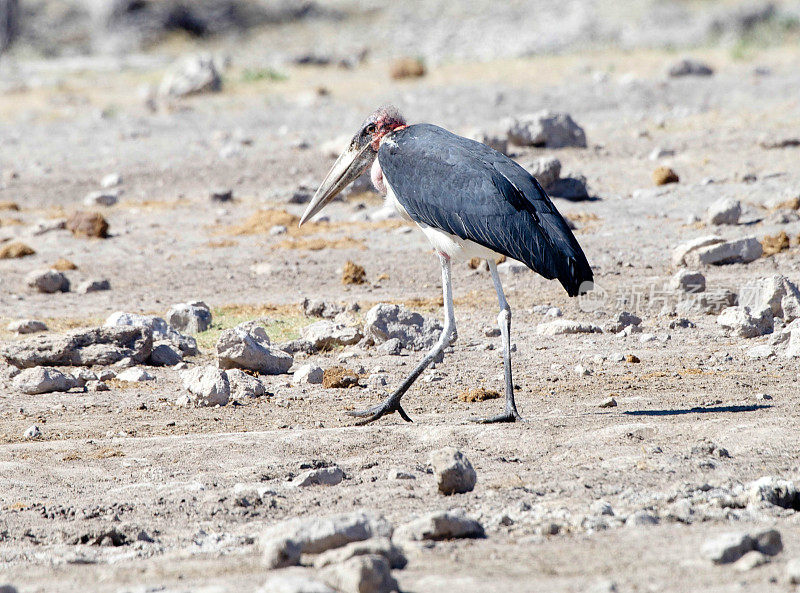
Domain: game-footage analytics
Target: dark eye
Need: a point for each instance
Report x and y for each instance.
(371, 129)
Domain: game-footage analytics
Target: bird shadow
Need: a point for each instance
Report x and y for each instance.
(698, 410)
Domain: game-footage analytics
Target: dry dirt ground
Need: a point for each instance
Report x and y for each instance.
(131, 459)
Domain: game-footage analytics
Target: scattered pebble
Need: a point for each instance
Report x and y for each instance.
(308, 374)
(362, 574)
(608, 403)
(546, 128)
(221, 195)
(324, 476)
(724, 211)
(191, 318)
(32, 432)
(689, 67)
(134, 375)
(97, 285)
(27, 326)
(440, 525)
(88, 224)
(207, 386)
(41, 379)
(47, 281)
(101, 198)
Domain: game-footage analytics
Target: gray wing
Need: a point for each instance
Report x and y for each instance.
(467, 189)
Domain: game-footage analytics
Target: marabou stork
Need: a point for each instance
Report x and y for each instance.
(9, 23)
(470, 201)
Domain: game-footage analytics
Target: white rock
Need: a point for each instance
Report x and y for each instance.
(454, 472)
(308, 374)
(681, 251)
(135, 375)
(546, 170)
(376, 546)
(325, 335)
(243, 385)
(601, 507)
(566, 326)
(688, 281)
(415, 332)
(207, 386)
(26, 326)
(32, 432)
(740, 251)
(161, 330)
(191, 75)
(38, 380)
(793, 349)
(724, 211)
(440, 525)
(774, 490)
(546, 128)
(96, 285)
(728, 547)
(760, 351)
(247, 346)
(793, 571)
(659, 153)
(740, 321)
(776, 292)
(324, 476)
(191, 318)
(317, 534)
(362, 574)
(47, 281)
(749, 561)
(111, 180)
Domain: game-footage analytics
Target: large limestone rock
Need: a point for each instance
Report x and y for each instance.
(99, 346)
(247, 346)
(415, 332)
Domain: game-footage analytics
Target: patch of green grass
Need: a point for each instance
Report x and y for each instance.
(259, 74)
(778, 30)
(282, 324)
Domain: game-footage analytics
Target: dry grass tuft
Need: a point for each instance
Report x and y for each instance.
(352, 273)
(478, 394)
(318, 244)
(8, 205)
(339, 377)
(64, 265)
(15, 250)
(775, 244)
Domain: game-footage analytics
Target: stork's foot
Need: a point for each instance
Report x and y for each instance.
(372, 414)
(504, 417)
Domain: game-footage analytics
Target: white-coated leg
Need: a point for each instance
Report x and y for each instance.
(510, 413)
(392, 403)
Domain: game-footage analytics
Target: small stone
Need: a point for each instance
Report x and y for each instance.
(376, 546)
(320, 308)
(724, 211)
(774, 490)
(570, 188)
(325, 335)
(546, 128)
(101, 198)
(93, 286)
(681, 251)
(308, 374)
(221, 195)
(689, 67)
(318, 534)
(660, 153)
(454, 473)
(621, 321)
(663, 175)
(397, 474)
(491, 332)
(601, 507)
(135, 375)
(111, 180)
(278, 229)
(191, 75)
(616, 357)
(47, 281)
(32, 432)
(392, 347)
(325, 476)
(362, 574)
(749, 561)
(243, 385)
(742, 322)
(688, 281)
(608, 403)
(440, 525)
(97, 386)
(768, 542)
(207, 386)
(728, 547)
(760, 352)
(247, 346)
(88, 224)
(26, 326)
(36, 380)
(191, 318)
(743, 251)
(546, 170)
(641, 519)
(165, 354)
(582, 371)
(632, 358)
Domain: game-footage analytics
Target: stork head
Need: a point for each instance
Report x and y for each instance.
(357, 158)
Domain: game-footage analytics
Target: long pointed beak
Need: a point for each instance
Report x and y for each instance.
(347, 168)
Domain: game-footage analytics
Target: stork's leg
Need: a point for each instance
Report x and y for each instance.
(510, 413)
(392, 403)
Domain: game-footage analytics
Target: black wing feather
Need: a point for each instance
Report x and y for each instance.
(467, 189)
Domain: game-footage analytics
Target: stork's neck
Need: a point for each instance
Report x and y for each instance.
(376, 174)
